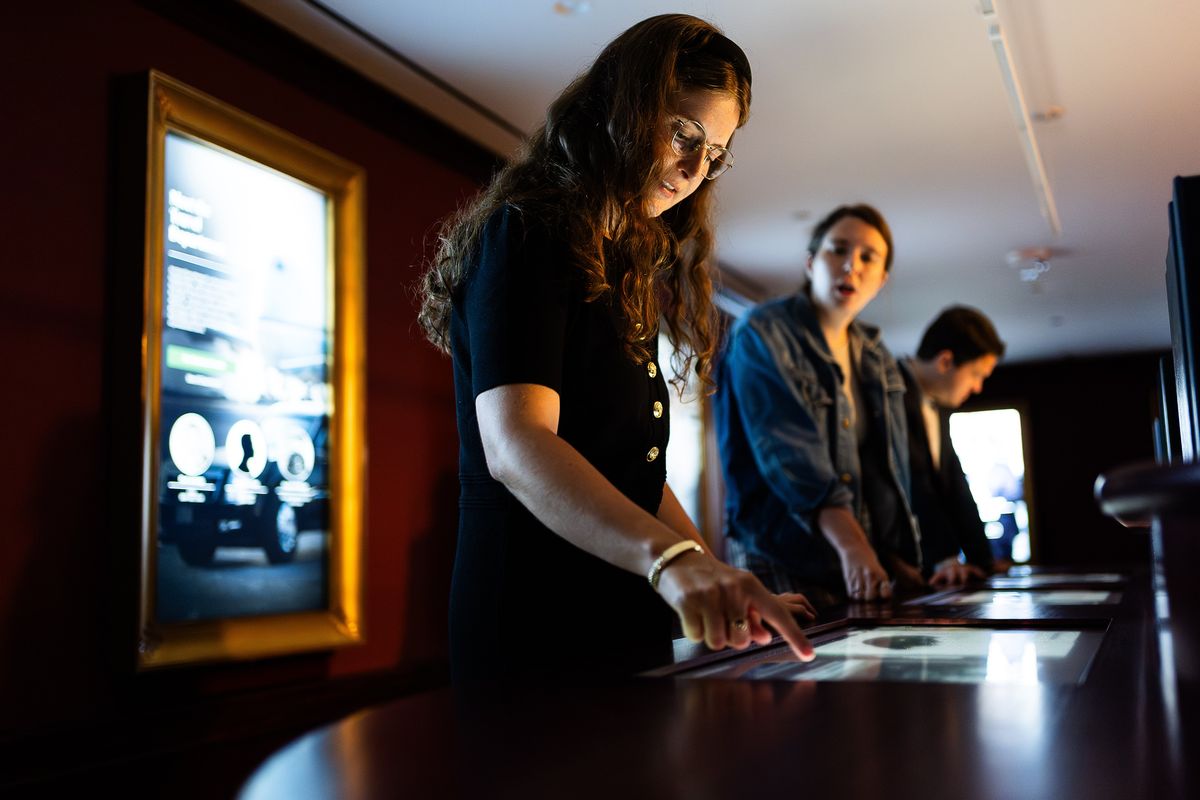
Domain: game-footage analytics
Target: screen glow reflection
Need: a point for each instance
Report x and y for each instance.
(1010, 661)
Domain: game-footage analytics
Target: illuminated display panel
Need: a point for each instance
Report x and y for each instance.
(253, 386)
(926, 654)
(991, 447)
(245, 395)
(1042, 579)
(1017, 600)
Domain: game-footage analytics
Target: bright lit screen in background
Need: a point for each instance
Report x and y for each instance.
(246, 398)
(990, 448)
(685, 450)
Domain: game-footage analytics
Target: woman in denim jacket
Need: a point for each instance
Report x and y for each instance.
(812, 432)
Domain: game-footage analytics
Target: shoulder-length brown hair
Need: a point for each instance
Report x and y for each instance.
(588, 171)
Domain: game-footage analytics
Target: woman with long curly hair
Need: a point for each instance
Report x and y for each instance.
(548, 290)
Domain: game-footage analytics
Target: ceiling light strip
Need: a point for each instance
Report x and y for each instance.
(1016, 98)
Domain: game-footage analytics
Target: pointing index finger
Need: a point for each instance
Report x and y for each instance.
(782, 621)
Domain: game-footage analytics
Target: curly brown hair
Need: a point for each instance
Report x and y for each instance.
(588, 170)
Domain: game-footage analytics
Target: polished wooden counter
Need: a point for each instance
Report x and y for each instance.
(1114, 736)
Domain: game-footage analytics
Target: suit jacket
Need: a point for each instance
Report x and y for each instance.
(941, 498)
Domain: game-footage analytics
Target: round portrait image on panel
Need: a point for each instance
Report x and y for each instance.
(246, 448)
(295, 453)
(191, 444)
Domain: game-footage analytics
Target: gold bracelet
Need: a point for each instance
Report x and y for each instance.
(670, 554)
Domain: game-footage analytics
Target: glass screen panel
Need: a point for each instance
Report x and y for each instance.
(1019, 600)
(926, 654)
(245, 395)
(1054, 579)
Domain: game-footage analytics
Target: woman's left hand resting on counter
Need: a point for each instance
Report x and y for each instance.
(716, 603)
(905, 576)
(951, 572)
(798, 604)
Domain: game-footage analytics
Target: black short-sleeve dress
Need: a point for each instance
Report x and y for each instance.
(524, 601)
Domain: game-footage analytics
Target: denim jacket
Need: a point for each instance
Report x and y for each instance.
(788, 448)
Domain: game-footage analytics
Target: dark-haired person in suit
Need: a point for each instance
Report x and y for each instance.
(957, 354)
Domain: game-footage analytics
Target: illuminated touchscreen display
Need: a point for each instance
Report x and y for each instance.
(1033, 581)
(246, 389)
(1018, 600)
(926, 654)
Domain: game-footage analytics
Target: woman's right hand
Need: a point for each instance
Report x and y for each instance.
(726, 607)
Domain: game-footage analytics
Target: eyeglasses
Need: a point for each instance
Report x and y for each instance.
(690, 138)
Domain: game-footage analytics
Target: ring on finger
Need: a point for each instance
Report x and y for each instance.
(740, 625)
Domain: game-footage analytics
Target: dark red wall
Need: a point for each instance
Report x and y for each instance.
(1085, 416)
(60, 612)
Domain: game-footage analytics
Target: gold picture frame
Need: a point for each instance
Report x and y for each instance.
(253, 389)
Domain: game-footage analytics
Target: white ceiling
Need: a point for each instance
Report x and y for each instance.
(899, 104)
